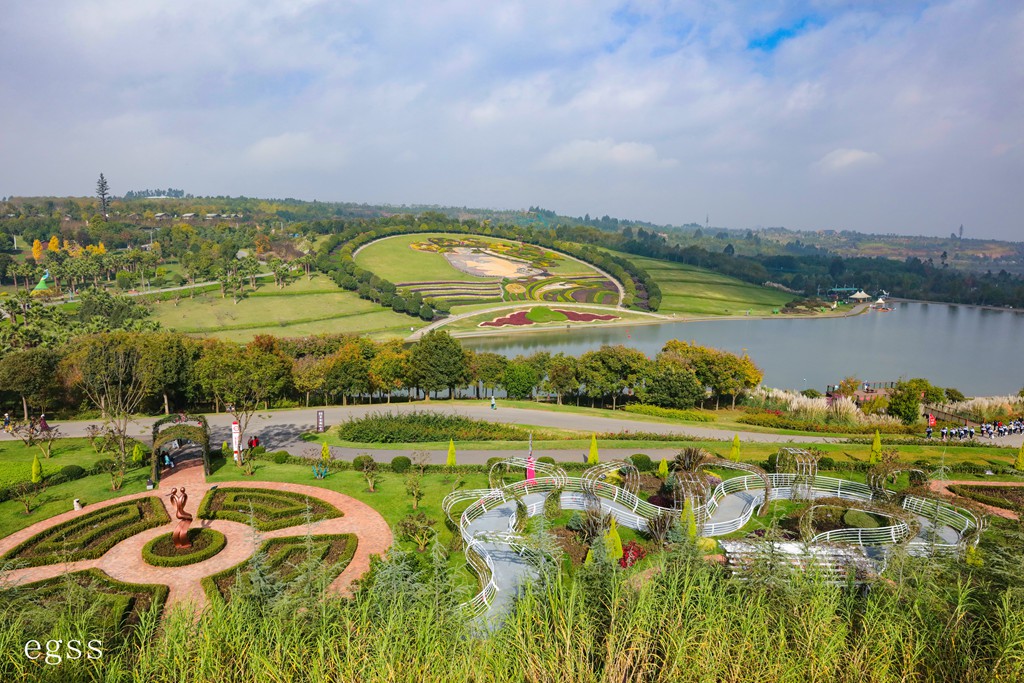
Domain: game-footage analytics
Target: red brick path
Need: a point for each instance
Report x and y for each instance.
(124, 561)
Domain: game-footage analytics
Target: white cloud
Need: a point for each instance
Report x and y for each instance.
(843, 159)
(293, 151)
(591, 154)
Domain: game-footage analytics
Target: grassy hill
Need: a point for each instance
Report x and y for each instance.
(694, 291)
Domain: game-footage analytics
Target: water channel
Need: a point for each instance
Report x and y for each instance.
(979, 351)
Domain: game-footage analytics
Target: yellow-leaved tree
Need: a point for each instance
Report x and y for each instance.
(54, 244)
(37, 251)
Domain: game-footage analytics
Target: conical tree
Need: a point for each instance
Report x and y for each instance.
(451, 453)
(1019, 464)
(613, 542)
(137, 453)
(689, 520)
(734, 452)
(663, 469)
(37, 470)
(325, 453)
(876, 450)
(592, 458)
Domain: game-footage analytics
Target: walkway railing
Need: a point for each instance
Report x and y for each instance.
(629, 510)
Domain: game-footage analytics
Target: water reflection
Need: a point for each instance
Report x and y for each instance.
(976, 350)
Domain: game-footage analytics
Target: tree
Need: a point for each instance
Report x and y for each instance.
(102, 192)
(673, 384)
(613, 542)
(519, 380)
(417, 528)
(592, 456)
(663, 469)
(905, 403)
(241, 378)
(848, 387)
(689, 520)
(389, 368)
(32, 375)
(450, 462)
(348, 369)
(611, 370)
(26, 493)
(438, 362)
(308, 375)
(37, 251)
(876, 449)
(562, 376)
(37, 469)
(54, 245)
(414, 487)
(107, 368)
(734, 452)
(1019, 464)
(490, 369)
(167, 363)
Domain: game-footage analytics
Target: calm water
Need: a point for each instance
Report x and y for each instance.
(981, 352)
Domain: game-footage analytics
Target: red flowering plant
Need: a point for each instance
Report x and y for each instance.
(632, 553)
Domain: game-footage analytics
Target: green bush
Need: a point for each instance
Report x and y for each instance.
(400, 464)
(72, 472)
(265, 509)
(491, 462)
(419, 427)
(642, 462)
(826, 463)
(673, 413)
(546, 459)
(259, 450)
(160, 552)
(361, 462)
(280, 457)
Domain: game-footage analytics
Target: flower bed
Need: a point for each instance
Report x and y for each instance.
(161, 551)
(91, 535)
(542, 314)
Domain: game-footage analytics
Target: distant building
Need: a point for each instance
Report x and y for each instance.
(188, 216)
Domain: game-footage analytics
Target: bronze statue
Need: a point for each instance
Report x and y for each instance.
(180, 534)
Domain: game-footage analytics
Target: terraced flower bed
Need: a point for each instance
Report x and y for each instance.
(284, 559)
(265, 509)
(161, 551)
(89, 536)
(112, 606)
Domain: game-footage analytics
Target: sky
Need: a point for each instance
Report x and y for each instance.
(885, 116)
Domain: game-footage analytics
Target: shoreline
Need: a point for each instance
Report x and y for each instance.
(662, 319)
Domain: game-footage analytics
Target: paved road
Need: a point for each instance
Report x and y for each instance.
(282, 429)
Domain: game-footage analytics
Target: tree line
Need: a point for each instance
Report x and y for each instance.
(169, 372)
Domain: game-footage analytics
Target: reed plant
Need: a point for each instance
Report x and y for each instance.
(682, 619)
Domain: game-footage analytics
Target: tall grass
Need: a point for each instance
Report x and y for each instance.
(684, 620)
(990, 408)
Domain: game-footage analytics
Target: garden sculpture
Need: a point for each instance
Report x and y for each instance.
(180, 534)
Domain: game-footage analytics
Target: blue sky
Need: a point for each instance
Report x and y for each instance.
(882, 116)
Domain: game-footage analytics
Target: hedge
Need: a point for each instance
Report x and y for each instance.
(209, 583)
(266, 517)
(774, 421)
(152, 515)
(217, 541)
(121, 606)
(673, 413)
(969, 491)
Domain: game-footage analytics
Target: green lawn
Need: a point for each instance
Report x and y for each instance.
(16, 458)
(301, 308)
(696, 291)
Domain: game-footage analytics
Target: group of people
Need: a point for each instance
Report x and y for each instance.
(41, 423)
(253, 442)
(987, 430)
(994, 429)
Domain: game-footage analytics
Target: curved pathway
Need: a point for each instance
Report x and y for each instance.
(489, 520)
(124, 561)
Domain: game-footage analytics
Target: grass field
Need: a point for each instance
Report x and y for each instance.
(695, 291)
(303, 307)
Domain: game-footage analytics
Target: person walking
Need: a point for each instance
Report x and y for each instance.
(43, 426)
(7, 422)
(493, 406)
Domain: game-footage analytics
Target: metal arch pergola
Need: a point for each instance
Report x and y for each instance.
(743, 467)
(626, 473)
(804, 465)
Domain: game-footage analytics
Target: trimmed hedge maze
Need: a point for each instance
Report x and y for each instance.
(113, 606)
(91, 535)
(266, 510)
(284, 559)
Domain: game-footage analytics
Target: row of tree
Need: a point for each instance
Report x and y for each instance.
(166, 371)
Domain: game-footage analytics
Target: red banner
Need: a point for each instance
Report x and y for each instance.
(931, 420)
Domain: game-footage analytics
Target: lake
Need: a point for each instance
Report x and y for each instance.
(979, 351)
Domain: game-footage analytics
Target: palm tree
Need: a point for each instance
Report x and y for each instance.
(9, 309)
(24, 300)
